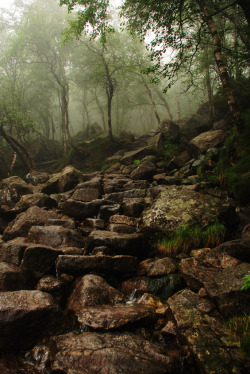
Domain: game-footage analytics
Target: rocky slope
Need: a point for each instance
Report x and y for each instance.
(84, 288)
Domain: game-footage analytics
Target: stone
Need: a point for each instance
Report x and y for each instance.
(122, 219)
(66, 223)
(92, 290)
(12, 278)
(36, 199)
(106, 211)
(39, 260)
(86, 194)
(179, 206)
(13, 250)
(55, 236)
(54, 286)
(94, 223)
(106, 317)
(37, 177)
(122, 244)
(200, 333)
(135, 185)
(26, 317)
(206, 140)
(107, 353)
(81, 210)
(12, 189)
(51, 186)
(157, 267)
(24, 221)
(156, 142)
(121, 228)
(119, 197)
(133, 207)
(78, 265)
(69, 178)
(145, 170)
(114, 184)
(138, 154)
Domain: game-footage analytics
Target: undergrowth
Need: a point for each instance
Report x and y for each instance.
(192, 237)
(239, 327)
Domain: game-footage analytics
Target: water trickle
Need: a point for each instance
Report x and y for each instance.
(132, 297)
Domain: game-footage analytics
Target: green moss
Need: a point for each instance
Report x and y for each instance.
(192, 237)
(137, 162)
(169, 149)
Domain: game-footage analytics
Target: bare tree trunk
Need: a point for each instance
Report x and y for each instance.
(178, 110)
(223, 73)
(165, 103)
(209, 92)
(149, 93)
(101, 111)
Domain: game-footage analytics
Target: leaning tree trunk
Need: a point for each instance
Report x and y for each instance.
(223, 73)
(165, 103)
(20, 150)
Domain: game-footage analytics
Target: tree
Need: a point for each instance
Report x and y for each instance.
(180, 25)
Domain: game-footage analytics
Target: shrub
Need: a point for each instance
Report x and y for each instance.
(246, 284)
(137, 162)
(169, 149)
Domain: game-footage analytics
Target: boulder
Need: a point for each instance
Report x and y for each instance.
(145, 170)
(24, 221)
(157, 267)
(12, 189)
(12, 278)
(133, 207)
(138, 154)
(37, 177)
(92, 290)
(26, 316)
(201, 333)
(86, 194)
(12, 251)
(107, 353)
(114, 184)
(205, 141)
(77, 265)
(156, 142)
(118, 197)
(106, 317)
(81, 210)
(179, 206)
(121, 228)
(51, 186)
(106, 211)
(55, 236)
(54, 286)
(69, 178)
(36, 199)
(40, 260)
(122, 244)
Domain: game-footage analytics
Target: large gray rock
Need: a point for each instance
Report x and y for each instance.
(205, 141)
(179, 206)
(23, 222)
(35, 199)
(138, 154)
(81, 210)
(92, 290)
(12, 189)
(55, 236)
(26, 316)
(69, 178)
(77, 265)
(12, 251)
(122, 244)
(106, 317)
(37, 177)
(145, 170)
(107, 353)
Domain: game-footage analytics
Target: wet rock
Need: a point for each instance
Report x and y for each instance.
(51, 186)
(54, 286)
(106, 317)
(35, 199)
(121, 228)
(106, 211)
(179, 206)
(81, 210)
(145, 170)
(138, 154)
(200, 333)
(37, 177)
(77, 265)
(133, 207)
(156, 142)
(225, 289)
(26, 316)
(66, 223)
(23, 222)
(12, 364)
(122, 219)
(123, 244)
(239, 248)
(40, 260)
(92, 290)
(135, 185)
(107, 353)
(86, 194)
(12, 189)
(69, 178)
(12, 278)
(12, 251)
(163, 287)
(206, 140)
(114, 184)
(94, 223)
(157, 267)
(119, 197)
(55, 236)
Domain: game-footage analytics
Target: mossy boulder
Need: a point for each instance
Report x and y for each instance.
(180, 206)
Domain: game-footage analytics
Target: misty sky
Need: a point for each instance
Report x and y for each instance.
(5, 3)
